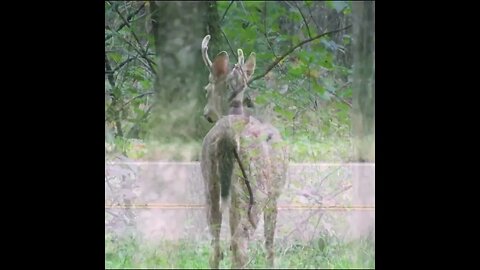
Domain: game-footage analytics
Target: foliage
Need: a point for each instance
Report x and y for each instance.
(129, 73)
(307, 96)
(309, 92)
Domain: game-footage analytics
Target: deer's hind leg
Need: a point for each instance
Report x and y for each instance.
(214, 218)
(239, 227)
(270, 223)
(275, 187)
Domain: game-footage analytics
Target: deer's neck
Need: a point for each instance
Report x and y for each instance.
(236, 103)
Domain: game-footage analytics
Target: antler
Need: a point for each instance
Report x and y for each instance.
(207, 61)
(241, 59)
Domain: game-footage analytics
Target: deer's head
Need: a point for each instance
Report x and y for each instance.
(226, 86)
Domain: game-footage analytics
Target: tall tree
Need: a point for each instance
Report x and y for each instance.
(178, 28)
(363, 118)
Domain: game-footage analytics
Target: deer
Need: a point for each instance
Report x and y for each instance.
(243, 161)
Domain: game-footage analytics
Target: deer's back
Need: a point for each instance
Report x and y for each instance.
(261, 150)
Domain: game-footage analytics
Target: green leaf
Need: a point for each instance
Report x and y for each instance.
(318, 88)
(137, 73)
(138, 111)
(132, 90)
(343, 107)
(115, 57)
(296, 17)
(296, 71)
(347, 93)
(327, 61)
(306, 56)
(347, 39)
(343, 112)
(146, 84)
(284, 112)
(281, 38)
(348, 9)
(295, 39)
(261, 99)
(116, 91)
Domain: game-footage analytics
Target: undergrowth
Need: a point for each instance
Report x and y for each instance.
(318, 253)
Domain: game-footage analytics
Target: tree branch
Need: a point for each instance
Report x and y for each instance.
(304, 20)
(138, 96)
(226, 10)
(143, 55)
(111, 80)
(265, 28)
(326, 176)
(272, 65)
(129, 17)
(228, 42)
(313, 20)
(109, 72)
(142, 119)
(301, 223)
(144, 51)
(339, 97)
(119, 66)
(244, 9)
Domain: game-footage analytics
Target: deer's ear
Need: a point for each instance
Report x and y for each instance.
(249, 66)
(220, 64)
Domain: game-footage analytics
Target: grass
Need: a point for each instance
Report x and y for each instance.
(128, 253)
(329, 149)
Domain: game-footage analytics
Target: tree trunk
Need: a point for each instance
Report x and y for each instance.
(363, 118)
(213, 29)
(178, 29)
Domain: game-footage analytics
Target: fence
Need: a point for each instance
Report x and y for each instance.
(167, 200)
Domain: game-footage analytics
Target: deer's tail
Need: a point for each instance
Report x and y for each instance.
(226, 162)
